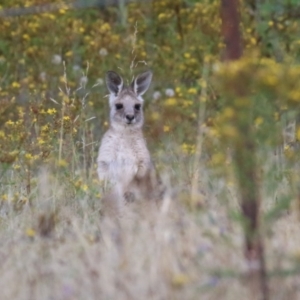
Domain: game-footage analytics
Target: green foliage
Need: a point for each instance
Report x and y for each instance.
(35, 94)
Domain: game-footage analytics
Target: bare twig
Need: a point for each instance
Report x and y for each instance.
(201, 118)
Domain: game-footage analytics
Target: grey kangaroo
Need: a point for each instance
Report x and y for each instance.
(124, 161)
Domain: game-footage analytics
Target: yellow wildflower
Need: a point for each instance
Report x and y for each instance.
(170, 102)
(192, 91)
(9, 123)
(166, 128)
(28, 156)
(15, 85)
(187, 55)
(84, 187)
(62, 163)
(155, 116)
(298, 134)
(30, 232)
(69, 53)
(258, 121)
(229, 112)
(26, 36)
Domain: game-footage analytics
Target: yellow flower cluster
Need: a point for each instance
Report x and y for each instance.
(252, 74)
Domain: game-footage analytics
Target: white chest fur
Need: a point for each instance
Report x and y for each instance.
(121, 156)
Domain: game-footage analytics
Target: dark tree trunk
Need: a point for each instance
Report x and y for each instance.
(230, 29)
(245, 159)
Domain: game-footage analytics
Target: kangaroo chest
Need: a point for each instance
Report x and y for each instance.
(124, 155)
(130, 150)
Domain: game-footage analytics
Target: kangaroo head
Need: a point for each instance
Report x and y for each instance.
(126, 103)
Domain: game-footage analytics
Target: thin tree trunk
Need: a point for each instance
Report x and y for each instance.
(245, 161)
(230, 29)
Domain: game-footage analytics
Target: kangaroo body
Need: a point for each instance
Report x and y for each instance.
(123, 156)
(124, 161)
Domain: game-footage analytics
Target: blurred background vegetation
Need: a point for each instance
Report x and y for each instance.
(174, 38)
(202, 111)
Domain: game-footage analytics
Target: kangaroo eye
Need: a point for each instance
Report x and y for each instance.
(137, 106)
(119, 106)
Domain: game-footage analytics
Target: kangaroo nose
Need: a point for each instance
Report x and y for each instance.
(129, 117)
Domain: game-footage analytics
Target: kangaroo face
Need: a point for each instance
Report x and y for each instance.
(127, 110)
(126, 103)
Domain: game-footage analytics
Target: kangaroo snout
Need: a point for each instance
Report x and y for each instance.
(129, 118)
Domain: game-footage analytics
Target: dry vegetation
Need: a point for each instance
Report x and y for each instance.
(201, 114)
(61, 248)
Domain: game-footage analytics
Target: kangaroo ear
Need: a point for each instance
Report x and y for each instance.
(141, 83)
(114, 82)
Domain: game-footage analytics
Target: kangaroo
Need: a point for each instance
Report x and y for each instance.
(124, 160)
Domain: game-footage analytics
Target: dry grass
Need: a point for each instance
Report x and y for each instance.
(62, 248)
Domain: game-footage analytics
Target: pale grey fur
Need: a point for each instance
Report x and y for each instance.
(124, 160)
